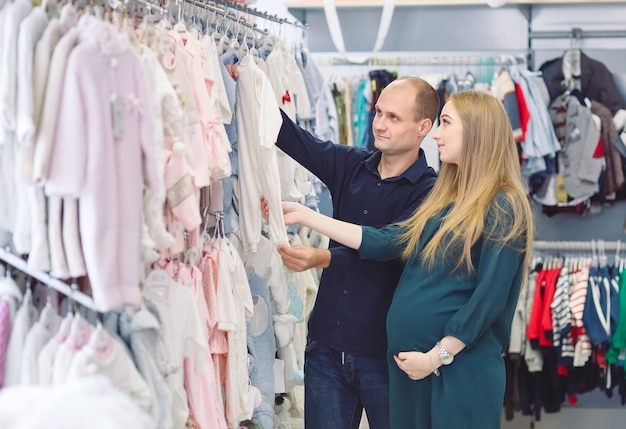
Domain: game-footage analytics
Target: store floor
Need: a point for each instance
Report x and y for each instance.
(593, 410)
(572, 419)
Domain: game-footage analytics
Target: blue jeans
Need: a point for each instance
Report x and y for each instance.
(338, 385)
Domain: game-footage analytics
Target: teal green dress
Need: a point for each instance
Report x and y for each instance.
(429, 304)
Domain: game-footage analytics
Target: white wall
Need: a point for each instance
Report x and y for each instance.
(440, 29)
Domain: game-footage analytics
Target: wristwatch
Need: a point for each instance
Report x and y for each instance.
(444, 356)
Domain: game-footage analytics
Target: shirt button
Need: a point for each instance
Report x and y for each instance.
(365, 211)
(378, 183)
(345, 292)
(338, 322)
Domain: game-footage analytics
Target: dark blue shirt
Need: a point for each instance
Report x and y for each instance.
(354, 295)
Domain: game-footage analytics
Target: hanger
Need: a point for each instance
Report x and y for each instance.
(234, 44)
(80, 331)
(225, 39)
(572, 62)
(594, 256)
(48, 317)
(216, 24)
(157, 277)
(196, 23)
(218, 232)
(150, 17)
(64, 328)
(180, 26)
(250, 43)
(208, 21)
(601, 254)
(99, 339)
(157, 283)
(71, 305)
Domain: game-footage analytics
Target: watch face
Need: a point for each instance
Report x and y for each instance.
(447, 359)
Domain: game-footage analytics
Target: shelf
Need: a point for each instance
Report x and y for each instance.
(318, 4)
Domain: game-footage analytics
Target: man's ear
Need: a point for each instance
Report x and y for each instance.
(425, 126)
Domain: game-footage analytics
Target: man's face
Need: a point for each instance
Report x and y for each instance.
(395, 126)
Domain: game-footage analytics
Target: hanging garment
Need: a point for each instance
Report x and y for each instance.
(102, 355)
(601, 305)
(25, 317)
(142, 331)
(77, 337)
(613, 176)
(103, 153)
(596, 81)
(183, 337)
(36, 339)
(45, 360)
(258, 124)
(28, 207)
(166, 113)
(238, 406)
(13, 14)
(5, 333)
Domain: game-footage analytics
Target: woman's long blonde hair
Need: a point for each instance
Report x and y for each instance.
(490, 166)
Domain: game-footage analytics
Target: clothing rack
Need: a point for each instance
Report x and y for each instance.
(49, 281)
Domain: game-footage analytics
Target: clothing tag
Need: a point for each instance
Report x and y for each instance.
(117, 115)
(561, 190)
(279, 376)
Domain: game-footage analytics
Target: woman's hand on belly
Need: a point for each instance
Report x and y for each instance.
(416, 365)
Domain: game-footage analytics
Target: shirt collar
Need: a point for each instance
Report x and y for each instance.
(412, 174)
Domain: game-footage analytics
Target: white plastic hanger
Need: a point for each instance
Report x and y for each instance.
(250, 44)
(224, 40)
(234, 44)
(157, 283)
(99, 339)
(157, 277)
(49, 318)
(180, 26)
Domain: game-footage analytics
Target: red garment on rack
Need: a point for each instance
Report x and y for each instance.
(540, 328)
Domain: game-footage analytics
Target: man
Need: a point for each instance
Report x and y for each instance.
(345, 362)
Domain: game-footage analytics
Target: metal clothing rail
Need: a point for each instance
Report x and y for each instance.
(248, 10)
(593, 245)
(227, 14)
(149, 5)
(57, 284)
(577, 33)
(409, 60)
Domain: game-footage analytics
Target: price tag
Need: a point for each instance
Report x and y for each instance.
(117, 116)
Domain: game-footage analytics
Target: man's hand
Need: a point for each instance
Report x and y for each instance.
(265, 209)
(301, 258)
(233, 71)
(298, 258)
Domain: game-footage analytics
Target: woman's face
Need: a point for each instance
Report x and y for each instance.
(449, 135)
